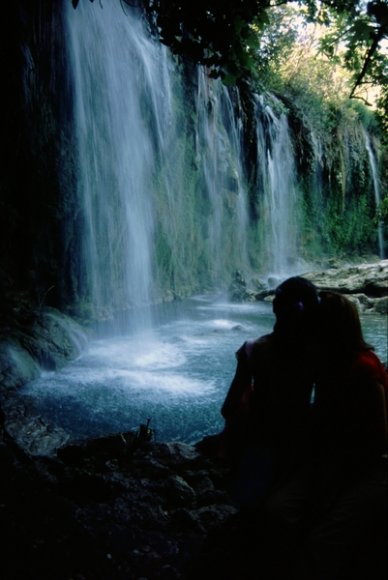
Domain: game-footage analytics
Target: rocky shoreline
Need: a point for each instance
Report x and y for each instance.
(365, 284)
(124, 506)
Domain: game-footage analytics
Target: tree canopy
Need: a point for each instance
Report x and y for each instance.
(227, 35)
(236, 39)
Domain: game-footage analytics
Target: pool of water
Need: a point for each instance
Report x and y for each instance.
(177, 374)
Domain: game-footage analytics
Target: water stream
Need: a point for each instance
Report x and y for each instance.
(275, 157)
(118, 72)
(376, 189)
(162, 180)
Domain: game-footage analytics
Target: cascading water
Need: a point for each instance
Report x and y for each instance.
(279, 200)
(219, 153)
(152, 222)
(376, 189)
(116, 68)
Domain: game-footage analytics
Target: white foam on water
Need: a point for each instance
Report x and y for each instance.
(222, 324)
(134, 352)
(160, 356)
(151, 384)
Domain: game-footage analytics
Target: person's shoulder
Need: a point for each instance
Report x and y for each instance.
(255, 347)
(368, 363)
(261, 345)
(264, 340)
(368, 358)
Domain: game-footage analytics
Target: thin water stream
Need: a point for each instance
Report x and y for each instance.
(177, 374)
(376, 190)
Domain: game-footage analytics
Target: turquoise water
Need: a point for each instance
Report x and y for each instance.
(177, 375)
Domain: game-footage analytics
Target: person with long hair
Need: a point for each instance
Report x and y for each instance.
(332, 514)
(350, 441)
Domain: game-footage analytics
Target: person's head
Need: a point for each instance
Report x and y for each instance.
(339, 324)
(295, 307)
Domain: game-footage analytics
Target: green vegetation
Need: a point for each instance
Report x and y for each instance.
(251, 38)
(328, 63)
(382, 213)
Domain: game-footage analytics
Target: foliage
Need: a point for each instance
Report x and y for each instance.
(359, 40)
(382, 212)
(265, 40)
(215, 33)
(225, 35)
(310, 70)
(274, 44)
(233, 37)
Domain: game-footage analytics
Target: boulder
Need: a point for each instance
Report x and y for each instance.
(368, 279)
(119, 507)
(45, 340)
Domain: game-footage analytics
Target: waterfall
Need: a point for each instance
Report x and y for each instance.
(376, 190)
(163, 195)
(110, 56)
(161, 186)
(275, 160)
(219, 154)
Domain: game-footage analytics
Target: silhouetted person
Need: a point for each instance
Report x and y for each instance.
(332, 513)
(264, 440)
(266, 410)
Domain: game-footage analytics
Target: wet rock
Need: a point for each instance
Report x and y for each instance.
(239, 291)
(44, 339)
(53, 339)
(365, 284)
(368, 279)
(17, 366)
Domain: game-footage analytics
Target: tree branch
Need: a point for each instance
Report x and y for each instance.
(367, 60)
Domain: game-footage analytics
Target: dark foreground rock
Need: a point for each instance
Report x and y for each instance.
(125, 508)
(113, 508)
